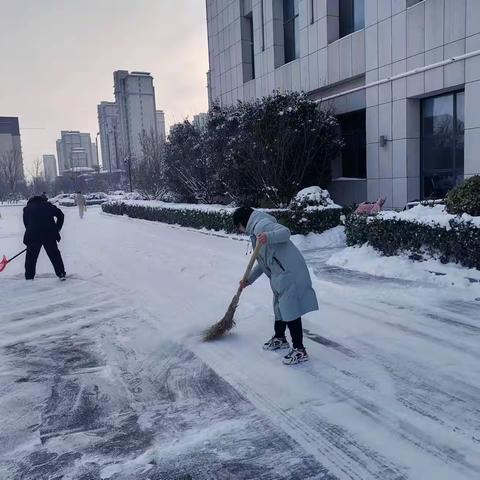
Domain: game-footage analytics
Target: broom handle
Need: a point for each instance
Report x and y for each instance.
(251, 262)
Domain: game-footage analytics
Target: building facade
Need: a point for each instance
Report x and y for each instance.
(11, 147)
(200, 120)
(75, 150)
(135, 99)
(160, 115)
(409, 114)
(50, 167)
(110, 137)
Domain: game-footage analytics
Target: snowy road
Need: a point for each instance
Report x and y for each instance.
(104, 376)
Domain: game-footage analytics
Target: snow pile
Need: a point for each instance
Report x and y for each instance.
(333, 238)
(313, 198)
(429, 215)
(366, 259)
(97, 196)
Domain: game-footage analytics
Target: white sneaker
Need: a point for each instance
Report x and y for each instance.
(296, 355)
(276, 344)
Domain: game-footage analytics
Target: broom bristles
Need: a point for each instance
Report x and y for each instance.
(224, 325)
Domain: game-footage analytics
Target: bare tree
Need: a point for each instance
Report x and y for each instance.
(38, 183)
(149, 171)
(11, 165)
(191, 169)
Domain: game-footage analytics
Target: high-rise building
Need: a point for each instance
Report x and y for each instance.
(49, 167)
(135, 98)
(79, 159)
(160, 115)
(71, 141)
(402, 76)
(11, 149)
(200, 121)
(113, 153)
(95, 163)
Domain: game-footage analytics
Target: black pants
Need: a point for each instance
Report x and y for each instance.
(33, 250)
(296, 331)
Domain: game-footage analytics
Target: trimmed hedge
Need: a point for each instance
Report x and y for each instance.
(298, 221)
(460, 243)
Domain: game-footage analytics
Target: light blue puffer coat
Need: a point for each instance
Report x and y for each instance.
(284, 265)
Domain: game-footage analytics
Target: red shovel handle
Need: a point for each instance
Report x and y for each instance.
(4, 262)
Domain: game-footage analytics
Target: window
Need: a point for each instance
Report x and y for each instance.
(291, 29)
(443, 123)
(354, 153)
(248, 47)
(352, 16)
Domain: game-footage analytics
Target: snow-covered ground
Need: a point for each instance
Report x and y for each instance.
(366, 259)
(105, 376)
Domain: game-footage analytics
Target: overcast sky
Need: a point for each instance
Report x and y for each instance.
(57, 59)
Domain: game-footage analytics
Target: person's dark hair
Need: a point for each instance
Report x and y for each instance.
(241, 216)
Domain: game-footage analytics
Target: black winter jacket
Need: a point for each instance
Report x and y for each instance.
(39, 219)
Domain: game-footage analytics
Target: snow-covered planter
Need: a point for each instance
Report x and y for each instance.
(219, 218)
(421, 231)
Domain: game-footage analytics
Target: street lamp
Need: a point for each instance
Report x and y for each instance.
(128, 163)
(96, 146)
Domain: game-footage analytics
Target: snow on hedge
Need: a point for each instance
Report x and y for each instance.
(178, 206)
(429, 215)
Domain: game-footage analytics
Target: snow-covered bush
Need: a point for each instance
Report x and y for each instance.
(313, 197)
(97, 196)
(420, 231)
(133, 196)
(465, 198)
(220, 218)
(274, 146)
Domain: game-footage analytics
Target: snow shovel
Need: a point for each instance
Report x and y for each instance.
(227, 322)
(4, 262)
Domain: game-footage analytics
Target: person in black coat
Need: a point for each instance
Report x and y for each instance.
(43, 222)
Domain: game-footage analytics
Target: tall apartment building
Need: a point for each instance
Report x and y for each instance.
(403, 76)
(160, 116)
(200, 120)
(113, 153)
(135, 98)
(11, 145)
(49, 167)
(75, 150)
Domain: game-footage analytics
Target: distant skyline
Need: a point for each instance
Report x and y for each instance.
(58, 59)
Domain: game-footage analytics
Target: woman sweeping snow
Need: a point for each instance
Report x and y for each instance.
(284, 265)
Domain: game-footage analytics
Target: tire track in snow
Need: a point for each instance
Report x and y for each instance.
(341, 454)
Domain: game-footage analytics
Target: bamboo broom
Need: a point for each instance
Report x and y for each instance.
(227, 322)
